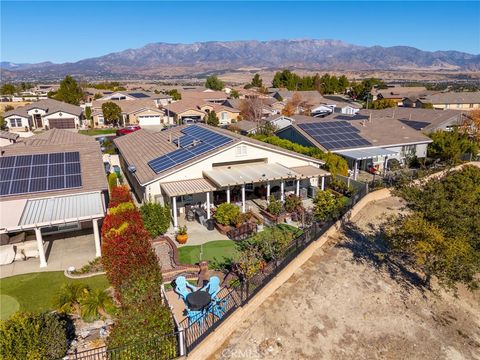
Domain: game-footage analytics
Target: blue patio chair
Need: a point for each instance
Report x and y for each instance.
(182, 286)
(219, 308)
(213, 287)
(195, 316)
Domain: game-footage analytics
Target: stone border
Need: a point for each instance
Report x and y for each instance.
(217, 338)
(82, 276)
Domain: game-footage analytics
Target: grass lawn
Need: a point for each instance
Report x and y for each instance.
(35, 292)
(93, 132)
(214, 249)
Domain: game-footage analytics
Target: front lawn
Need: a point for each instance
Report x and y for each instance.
(214, 249)
(93, 132)
(35, 292)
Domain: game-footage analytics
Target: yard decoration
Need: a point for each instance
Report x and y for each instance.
(182, 235)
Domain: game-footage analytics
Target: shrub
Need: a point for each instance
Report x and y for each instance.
(122, 219)
(226, 214)
(243, 218)
(95, 303)
(119, 194)
(292, 203)
(68, 297)
(112, 180)
(156, 218)
(121, 208)
(327, 205)
(33, 336)
(274, 206)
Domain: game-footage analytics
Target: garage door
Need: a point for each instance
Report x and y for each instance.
(149, 120)
(62, 123)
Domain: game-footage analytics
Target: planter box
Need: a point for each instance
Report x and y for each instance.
(223, 229)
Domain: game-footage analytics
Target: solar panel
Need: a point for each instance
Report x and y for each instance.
(334, 135)
(417, 125)
(138, 95)
(23, 174)
(195, 141)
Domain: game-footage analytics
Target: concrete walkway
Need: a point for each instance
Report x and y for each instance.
(62, 250)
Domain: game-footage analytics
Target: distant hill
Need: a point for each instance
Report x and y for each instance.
(163, 59)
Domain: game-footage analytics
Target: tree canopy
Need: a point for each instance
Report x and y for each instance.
(450, 145)
(211, 118)
(111, 112)
(8, 89)
(69, 91)
(257, 81)
(175, 94)
(214, 83)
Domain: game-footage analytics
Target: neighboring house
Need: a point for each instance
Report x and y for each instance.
(226, 115)
(365, 141)
(204, 96)
(158, 99)
(51, 183)
(7, 138)
(269, 105)
(193, 164)
(45, 114)
(401, 95)
(194, 110)
(465, 101)
(247, 127)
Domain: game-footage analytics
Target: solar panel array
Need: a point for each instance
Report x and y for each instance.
(138, 95)
(417, 125)
(205, 140)
(334, 135)
(24, 174)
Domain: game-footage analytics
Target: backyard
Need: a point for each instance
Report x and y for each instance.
(35, 292)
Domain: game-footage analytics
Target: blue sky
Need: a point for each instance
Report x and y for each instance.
(70, 31)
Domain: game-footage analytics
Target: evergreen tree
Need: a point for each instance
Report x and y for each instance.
(69, 91)
(214, 83)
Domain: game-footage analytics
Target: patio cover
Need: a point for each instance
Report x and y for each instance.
(245, 174)
(362, 154)
(44, 212)
(185, 187)
(309, 171)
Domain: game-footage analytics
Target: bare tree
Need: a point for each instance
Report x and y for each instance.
(251, 109)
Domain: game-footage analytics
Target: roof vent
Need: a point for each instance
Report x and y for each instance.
(132, 168)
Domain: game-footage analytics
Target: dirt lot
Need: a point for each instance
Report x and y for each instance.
(349, 302)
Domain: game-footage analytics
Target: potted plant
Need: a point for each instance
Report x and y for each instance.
(182, 236)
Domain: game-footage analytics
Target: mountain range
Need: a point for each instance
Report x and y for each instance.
(165, 60)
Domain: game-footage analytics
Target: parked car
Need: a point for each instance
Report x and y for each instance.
(127, 130)
(107, 166)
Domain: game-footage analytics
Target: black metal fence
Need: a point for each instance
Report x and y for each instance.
(163, 347)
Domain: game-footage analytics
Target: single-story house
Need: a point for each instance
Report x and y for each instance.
(401, 93)
(7, 138)
(365, 141)
(204, 96)
(158, 99)
(247, 127)
(465, 100)
(51, 183)
(45, 114)
(198, 163)
(195, 110)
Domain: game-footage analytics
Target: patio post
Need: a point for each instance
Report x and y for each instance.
(174, 209)
(282, 187)
(298, 188)
(228, 194)
(355, 170)
(41, 250)
(268, 190)
(323, 182)
(96, 235)
(243, 198)
(208, 205)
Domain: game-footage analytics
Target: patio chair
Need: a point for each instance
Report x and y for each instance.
(182, 286)
(219, 307)
(194, 316)
(213, 287)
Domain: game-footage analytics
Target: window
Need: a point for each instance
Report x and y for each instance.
(459, 106)
(241, 150)
(100, 120)
(289, 183)
(471, 106)
(224, 116)
(249, 187)
(15, 122)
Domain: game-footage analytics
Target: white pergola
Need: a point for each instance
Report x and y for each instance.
(35, 214)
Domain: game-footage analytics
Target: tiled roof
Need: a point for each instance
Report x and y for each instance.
(49, 105)
(453, 98)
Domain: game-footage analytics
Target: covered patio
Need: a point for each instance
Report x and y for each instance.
(34, 219)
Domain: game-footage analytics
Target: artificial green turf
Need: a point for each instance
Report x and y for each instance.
(8, 306)
(35, 292)
(93, 132)
(211, 250)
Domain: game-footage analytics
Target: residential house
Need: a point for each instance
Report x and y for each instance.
(45, 114)
(247, 127)
(193, 110)
(464, 101)
(204, 96)
(52, 183)
(402, 95)
(158, 99)
(191, 164)
(365, 141)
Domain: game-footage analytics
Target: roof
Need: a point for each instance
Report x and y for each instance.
(453, 98)
(185, 187)
(308, 171)
(246, 125)
(57, 140)
(183, 105)
(8, 135)
(50, 106)
(380, 131)
(141, 146)
(363, 154)
(127, 107)
(400, 92)
(203, 95)
(48, 211)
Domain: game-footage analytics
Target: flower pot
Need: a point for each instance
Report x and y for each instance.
(182, 239)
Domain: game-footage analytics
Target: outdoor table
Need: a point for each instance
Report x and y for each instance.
(198, 300)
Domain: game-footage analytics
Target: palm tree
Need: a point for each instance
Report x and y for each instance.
(68, 297)
(95, 303)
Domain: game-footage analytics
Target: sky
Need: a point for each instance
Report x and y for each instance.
(68, 31)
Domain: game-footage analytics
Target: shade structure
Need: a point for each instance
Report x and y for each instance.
(363, 154)
(246, 174)
(186, 187)
(309, 171)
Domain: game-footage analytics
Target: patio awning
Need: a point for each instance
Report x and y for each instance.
(45, 212)
(309, 171)
(363, 154)
(185, 187)
(245, 174)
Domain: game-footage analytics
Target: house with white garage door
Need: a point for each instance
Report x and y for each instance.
(45, 114)
(200, 164)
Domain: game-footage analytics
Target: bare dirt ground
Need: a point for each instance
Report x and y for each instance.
(350, 302)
